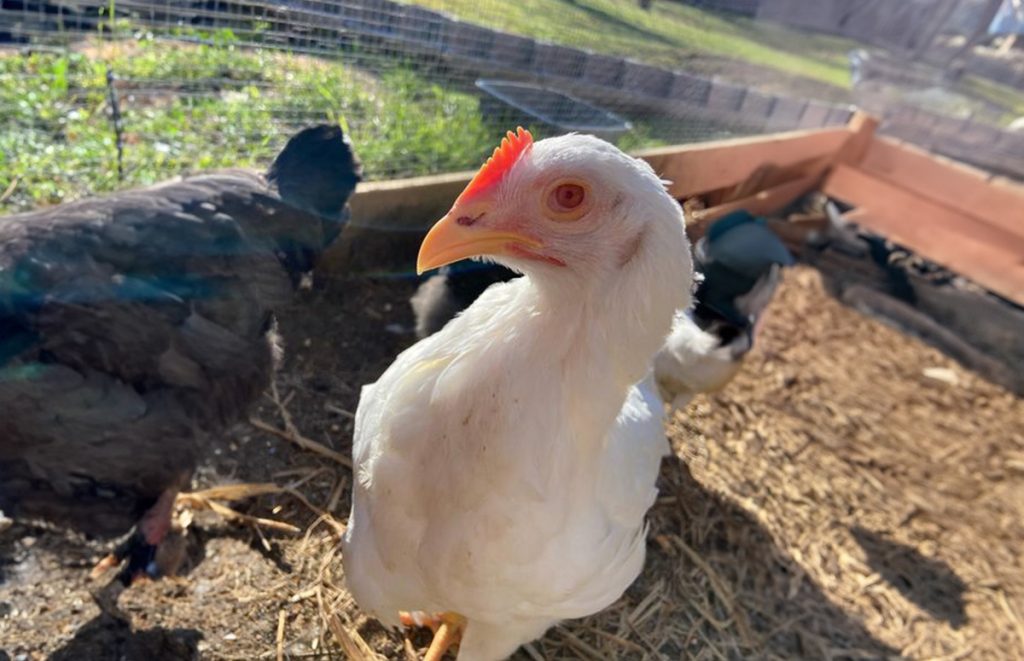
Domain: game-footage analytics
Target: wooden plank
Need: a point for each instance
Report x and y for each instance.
(702, 167)
(875, 194)
(761, 203)
(992, 267)
(407, 204)
(389, 219)
(765, 177)
(944, 181)
(989, 256)
(862, 128)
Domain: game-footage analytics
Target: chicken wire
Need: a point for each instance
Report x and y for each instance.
(422, 87)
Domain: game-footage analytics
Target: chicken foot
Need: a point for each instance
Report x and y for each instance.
(447, 628)
(139, 551)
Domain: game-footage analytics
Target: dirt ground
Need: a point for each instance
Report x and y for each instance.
(852, 494)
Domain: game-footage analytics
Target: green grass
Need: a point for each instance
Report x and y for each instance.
(213, 106)
(671, 34)
(189, 107)
(1001, 95)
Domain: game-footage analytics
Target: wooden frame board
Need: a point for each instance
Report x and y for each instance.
(965, 189)
(699, 168)
(990, 255)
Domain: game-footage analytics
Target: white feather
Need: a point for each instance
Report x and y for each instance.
(693, 361)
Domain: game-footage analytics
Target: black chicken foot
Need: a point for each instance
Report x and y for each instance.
(139, 551)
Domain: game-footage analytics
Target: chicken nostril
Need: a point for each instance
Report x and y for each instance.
(467, 221)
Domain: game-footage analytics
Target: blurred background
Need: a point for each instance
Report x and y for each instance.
(97, 95)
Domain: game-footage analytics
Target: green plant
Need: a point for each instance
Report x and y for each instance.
(195, 106)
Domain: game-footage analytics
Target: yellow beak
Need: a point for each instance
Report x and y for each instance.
(449, 241)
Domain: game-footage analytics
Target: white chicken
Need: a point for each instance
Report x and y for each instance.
(504, 465)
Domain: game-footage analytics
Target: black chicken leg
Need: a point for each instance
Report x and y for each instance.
(139, 550)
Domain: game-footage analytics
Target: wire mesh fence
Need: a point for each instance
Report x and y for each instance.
(422, 87)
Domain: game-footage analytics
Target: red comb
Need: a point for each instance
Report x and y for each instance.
(513, 145)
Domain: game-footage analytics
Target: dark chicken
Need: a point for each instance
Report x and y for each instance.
(450, 291)
(134, 324)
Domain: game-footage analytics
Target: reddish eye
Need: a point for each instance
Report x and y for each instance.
(567, 197)
(567, 200)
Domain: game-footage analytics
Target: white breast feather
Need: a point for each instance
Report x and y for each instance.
(464, 503)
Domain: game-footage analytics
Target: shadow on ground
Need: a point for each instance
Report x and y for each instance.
(107, 638)
(751, 587)
(721, 588)
(928, 582)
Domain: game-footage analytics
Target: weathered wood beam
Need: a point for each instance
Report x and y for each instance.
(989, 255)
(708, 166)
(960, 187)
(761, 203)
(861, 129)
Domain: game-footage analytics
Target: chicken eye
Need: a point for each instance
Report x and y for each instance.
(567, 201)
(567, 196)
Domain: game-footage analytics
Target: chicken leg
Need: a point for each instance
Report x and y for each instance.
(447, 628)
(140, 549)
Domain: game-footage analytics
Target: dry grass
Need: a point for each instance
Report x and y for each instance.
(895, 494)
(834, 502)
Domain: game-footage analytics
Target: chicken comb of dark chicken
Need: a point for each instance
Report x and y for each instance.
(132, 324)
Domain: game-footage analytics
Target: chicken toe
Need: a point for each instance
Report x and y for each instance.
(447, 628)
(141, 551)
